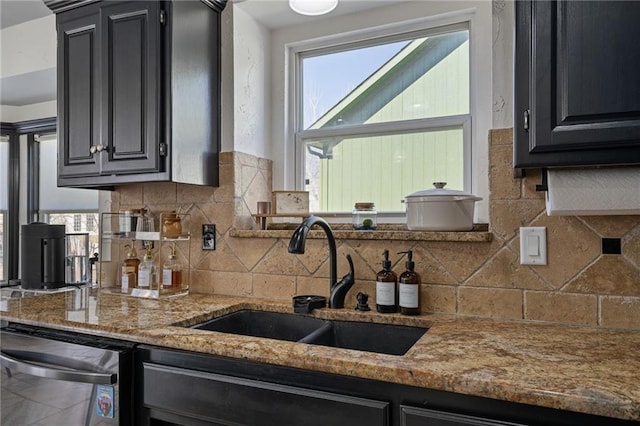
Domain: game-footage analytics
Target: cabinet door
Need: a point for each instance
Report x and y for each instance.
(577, 74)
(411, 416)
(131, 87)
(78, 94)
(182, 396)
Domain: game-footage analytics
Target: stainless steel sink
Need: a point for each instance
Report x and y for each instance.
(362, 336)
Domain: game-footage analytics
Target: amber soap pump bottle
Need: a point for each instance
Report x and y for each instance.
(386, 282)
(130, 268)
(409, 291)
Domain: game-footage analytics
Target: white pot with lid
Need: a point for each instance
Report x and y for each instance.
(440, 209)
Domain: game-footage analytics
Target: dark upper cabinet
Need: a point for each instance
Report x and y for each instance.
(138, 91)
(131, 88)
(78, 104)
(577, 83)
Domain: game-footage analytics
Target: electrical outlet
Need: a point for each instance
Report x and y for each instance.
(533, 245)
(208, 236)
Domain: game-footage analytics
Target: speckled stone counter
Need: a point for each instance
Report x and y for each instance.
(573, 368)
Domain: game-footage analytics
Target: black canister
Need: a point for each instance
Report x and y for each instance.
(42, 255)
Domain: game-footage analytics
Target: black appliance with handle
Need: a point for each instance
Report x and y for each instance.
(42, 254)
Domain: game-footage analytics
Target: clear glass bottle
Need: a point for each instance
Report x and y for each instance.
(128, 220)
(147, 271)
(172, 272)
(364, 216)
(145, 222)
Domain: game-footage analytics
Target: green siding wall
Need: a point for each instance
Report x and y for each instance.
(384, 169)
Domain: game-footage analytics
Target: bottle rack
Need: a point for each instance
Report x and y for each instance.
(118, 230)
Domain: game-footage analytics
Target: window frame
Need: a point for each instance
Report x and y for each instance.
(15, 131)
(31, 128)
(11, 222)
(297, 52)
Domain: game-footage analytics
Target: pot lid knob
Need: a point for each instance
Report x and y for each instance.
(439, 185)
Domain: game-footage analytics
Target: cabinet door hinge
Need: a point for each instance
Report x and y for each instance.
(525, 123)
(163, 17)
(163, 149)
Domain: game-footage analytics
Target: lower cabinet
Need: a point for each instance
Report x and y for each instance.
(222, 399)
(176, 387)
(411, 416)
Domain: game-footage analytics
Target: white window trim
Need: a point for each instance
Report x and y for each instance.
(429, 26)
(382, 21)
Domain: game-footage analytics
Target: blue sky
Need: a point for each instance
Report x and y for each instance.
(328, 78)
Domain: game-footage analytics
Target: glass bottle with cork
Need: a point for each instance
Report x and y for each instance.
(364, 217)
(171, 225)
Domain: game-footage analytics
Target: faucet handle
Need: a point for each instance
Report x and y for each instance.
(339, 289)
(351, 273)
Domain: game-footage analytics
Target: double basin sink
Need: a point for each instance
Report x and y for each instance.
(362, 336)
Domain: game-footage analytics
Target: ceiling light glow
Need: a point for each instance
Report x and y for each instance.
(313, 7)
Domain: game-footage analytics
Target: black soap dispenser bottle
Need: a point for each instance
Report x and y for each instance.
(409, 291)
(386, 282)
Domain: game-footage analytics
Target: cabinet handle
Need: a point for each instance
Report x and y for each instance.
(526, 120)
(101, 148)
(93, 149)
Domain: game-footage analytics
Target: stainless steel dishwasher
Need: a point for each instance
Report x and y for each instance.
(54, 378)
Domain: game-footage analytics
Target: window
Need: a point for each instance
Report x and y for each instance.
(4, 207)
(77, 209)
(381, 118)
(92, 221)
(31, 146)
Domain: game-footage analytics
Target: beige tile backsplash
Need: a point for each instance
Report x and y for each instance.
(578, 286)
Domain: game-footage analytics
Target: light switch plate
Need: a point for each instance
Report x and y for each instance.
(533, 245)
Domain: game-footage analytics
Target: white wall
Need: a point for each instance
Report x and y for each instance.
(252, 91)
(246, 92)
(28, 47)
(503, 73)
(227, 109)
(16, 114)
(482, 79)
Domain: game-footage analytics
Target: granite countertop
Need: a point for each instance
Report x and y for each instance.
(579, 369)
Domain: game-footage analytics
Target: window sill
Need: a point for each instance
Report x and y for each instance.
(479, 234)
